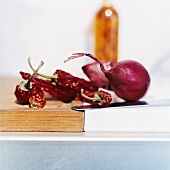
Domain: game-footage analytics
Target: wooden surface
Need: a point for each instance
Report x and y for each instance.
(56, 116)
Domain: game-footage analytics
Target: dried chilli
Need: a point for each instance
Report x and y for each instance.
(60, 92)
(100, 98)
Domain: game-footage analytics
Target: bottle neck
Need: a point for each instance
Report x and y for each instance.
(107, 3)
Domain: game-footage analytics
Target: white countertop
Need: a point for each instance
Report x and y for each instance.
(83, 136)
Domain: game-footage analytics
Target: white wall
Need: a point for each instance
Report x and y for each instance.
(54, 29)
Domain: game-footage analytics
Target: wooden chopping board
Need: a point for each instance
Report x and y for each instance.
(56, 116)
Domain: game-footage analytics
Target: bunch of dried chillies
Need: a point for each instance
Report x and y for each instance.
(61, 85)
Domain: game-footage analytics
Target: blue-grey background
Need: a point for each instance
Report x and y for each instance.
(45, 155)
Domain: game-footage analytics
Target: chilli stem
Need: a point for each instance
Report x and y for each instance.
(27, 85)
(40, 74)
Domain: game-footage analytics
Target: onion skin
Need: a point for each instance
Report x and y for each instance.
(128, 79)
(96, 76)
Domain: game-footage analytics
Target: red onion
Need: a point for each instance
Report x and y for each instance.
(128, 79)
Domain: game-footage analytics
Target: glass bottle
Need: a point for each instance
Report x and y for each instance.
(106, 33)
